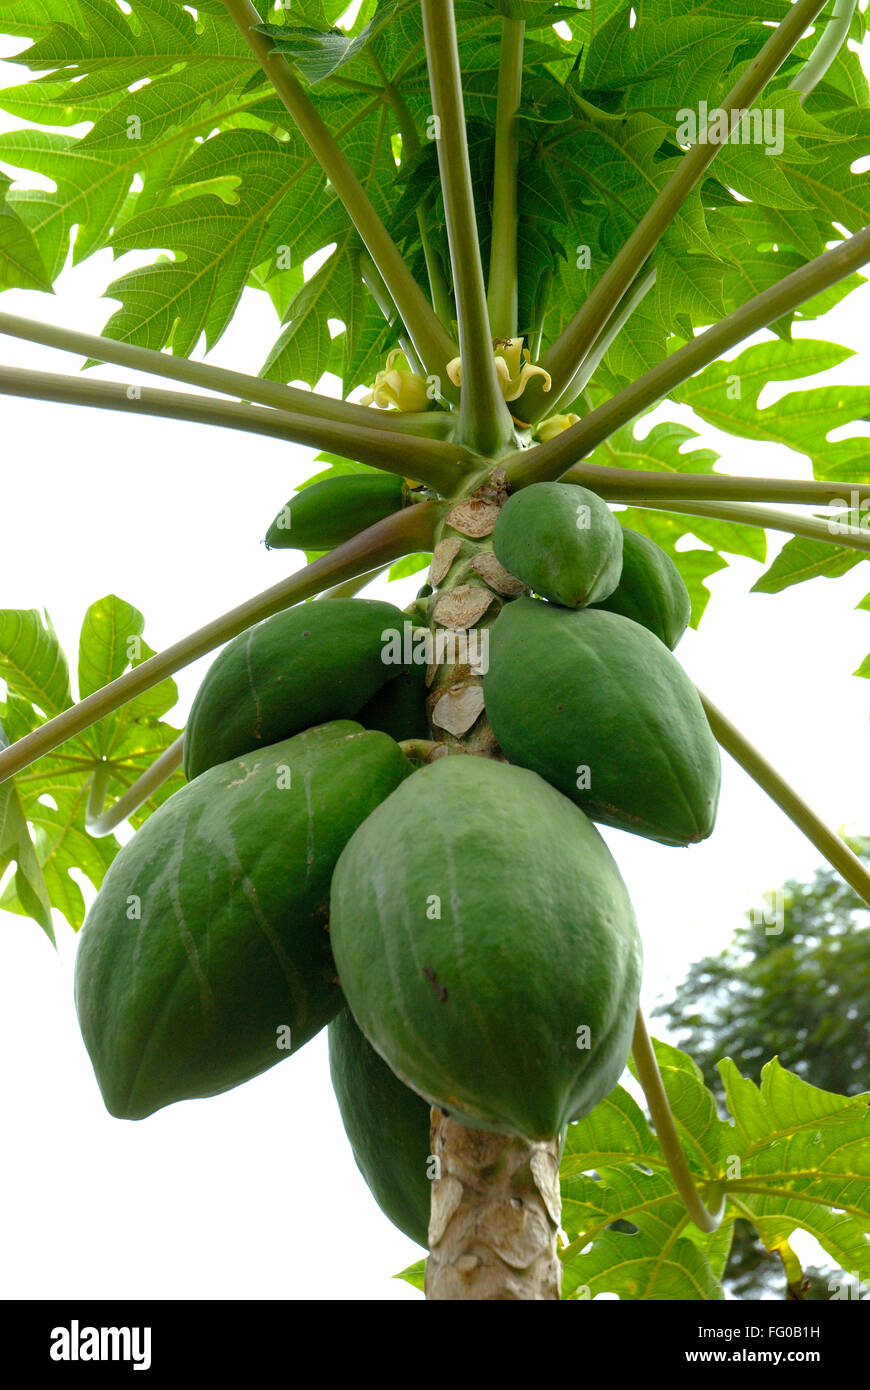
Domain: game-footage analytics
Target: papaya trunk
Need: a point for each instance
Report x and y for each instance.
(495, 1214)
(495, 1201)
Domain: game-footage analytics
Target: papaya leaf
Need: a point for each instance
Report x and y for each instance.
(828, 299)
(764, 228)
(21, 263)
(217, 245)
(846, 197)
(107, 50)
(864, 668)
(91, 189)
(109, 628)
(716, 1248)
(695, 566)
(16, 847)
(322, 13)
(169, 105)
(662, 450)
(319, 54)
(847, 461)
(30, 19)
(337, 467)
(414, 1275)
(655, 54)
(722, 536)
(241, 196)
(42, 810)
(690, 285)
(44, 103)
(280, 284)
(646, 75)
(123, 732)
(170, 301)
(409, 564)
(535, 13)
(804, 1162)
(304, 350)
(31, 660)
(801, 559)
(726, 395)
(109, 642)
(791, 1157)
(19, 718)
(60, 844)
(360, 351)
(614, 1171)
(616, 89)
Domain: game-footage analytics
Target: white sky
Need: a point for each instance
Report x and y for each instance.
(254, 1194)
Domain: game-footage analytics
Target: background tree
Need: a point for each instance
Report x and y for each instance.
(799, 993)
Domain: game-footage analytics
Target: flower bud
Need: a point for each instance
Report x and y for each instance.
(548, 429)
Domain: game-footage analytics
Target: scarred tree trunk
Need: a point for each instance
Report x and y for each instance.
(495, 1207)
(495, 1213)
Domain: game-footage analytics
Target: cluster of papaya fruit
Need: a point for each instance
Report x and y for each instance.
(583, 688)
(459, 924)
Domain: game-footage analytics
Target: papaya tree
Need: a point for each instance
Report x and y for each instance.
(535, 222)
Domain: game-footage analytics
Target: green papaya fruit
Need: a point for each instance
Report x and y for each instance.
(301, 667)
(499, 982)
(561, 540)
(332, 511)
(399, 707)
(598, 706)
(208, 936)
(388, 1127)
(650, 590)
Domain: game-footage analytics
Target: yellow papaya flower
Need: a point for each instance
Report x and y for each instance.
(548, 429)
(513, 366)
(398, 387)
